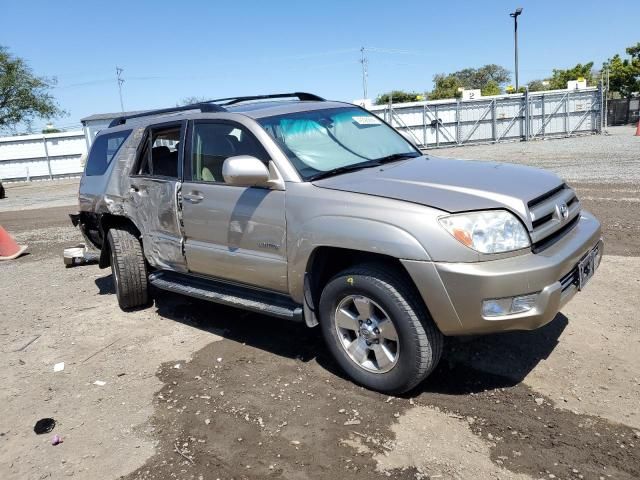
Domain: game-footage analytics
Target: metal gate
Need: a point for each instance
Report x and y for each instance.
(498, 118)
(623, 111)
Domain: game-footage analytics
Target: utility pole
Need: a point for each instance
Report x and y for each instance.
(515, 15)
(364, 62)
(120, 82)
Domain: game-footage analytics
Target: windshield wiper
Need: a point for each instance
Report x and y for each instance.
(397, 156)
(394, 157)
(344, 169)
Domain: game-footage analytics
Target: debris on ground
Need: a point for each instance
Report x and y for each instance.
(80, 255)
(56, 440)
(44, 425)
(58, 367)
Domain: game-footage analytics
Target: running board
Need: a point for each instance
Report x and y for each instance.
(260, 301)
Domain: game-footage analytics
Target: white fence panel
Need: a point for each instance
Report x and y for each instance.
(42, 156)
(498, 118)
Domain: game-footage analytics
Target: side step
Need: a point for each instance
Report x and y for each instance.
(267, 303)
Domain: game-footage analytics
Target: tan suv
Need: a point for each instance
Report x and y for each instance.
(319, 212)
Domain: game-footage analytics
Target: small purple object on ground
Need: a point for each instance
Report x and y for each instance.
(56, 439)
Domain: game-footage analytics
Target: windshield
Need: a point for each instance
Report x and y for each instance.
(322, 141)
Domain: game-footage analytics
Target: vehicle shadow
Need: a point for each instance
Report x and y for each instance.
(478, 363)
(105, 285)
(280, 337)
(468, 365)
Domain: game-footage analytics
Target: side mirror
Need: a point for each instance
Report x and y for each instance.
(245, 171)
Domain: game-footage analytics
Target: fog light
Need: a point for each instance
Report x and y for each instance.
(496, 307)
(524, 303)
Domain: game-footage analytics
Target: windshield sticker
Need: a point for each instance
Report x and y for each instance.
(366, 120)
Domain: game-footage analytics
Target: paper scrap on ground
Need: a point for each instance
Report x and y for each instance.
(58, 367)
(100, 383)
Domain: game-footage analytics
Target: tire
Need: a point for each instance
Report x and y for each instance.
(391, 296)
(129, 269)
(2, 195)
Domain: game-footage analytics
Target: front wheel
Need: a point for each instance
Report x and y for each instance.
(378, 329)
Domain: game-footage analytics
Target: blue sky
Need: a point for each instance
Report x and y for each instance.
(172, 50)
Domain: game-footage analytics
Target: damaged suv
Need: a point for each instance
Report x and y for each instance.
(319, 212)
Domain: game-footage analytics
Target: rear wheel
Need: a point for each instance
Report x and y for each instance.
(129, 269)
(378, 329)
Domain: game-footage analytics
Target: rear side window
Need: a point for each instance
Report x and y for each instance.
(103, 150)
(159, 157)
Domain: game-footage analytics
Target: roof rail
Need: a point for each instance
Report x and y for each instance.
(203, 107)
(302, 96)
(212, 105)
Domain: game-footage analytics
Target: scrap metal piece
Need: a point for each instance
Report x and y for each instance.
(80, 255)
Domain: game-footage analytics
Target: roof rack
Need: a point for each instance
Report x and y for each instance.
(302, 96)
(212, 105)
(203, 107)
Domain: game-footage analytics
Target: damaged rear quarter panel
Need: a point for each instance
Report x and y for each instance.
(157, 220)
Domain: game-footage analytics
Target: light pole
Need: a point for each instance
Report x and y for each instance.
(365, 74)
(515, 15)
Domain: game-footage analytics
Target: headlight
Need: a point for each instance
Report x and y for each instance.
(487, 232)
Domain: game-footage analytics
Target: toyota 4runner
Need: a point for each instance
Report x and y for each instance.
(319, 212)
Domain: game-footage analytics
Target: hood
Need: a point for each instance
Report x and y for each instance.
(450, 185)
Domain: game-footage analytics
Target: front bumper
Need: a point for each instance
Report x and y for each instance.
(453, 292)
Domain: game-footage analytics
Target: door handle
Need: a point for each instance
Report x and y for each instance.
(193, 197)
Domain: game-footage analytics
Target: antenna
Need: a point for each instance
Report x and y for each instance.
(120, 82)
(364, 61)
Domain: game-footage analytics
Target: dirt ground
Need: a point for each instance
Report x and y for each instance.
(198, 391)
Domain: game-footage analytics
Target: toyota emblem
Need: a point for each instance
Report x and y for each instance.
(564, 210)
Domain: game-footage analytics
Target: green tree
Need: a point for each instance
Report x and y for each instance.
(23, 95)
(624, 73)
(191, 100)
(491, 88)
(50, 129)
(445, 86)
(488, 78)
(398, 96)
(560, 77)
(479, 78)
(538, 85)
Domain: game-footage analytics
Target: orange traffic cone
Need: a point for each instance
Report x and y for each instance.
(9, 249)
(638, 129)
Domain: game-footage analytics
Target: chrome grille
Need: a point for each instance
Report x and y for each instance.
(547, 219)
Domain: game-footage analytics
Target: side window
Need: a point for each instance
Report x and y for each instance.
(213, 143)
(159, 155)
(103, 150)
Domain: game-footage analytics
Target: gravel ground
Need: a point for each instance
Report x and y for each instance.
(38, 194)
(194, 390)
(611, 158)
